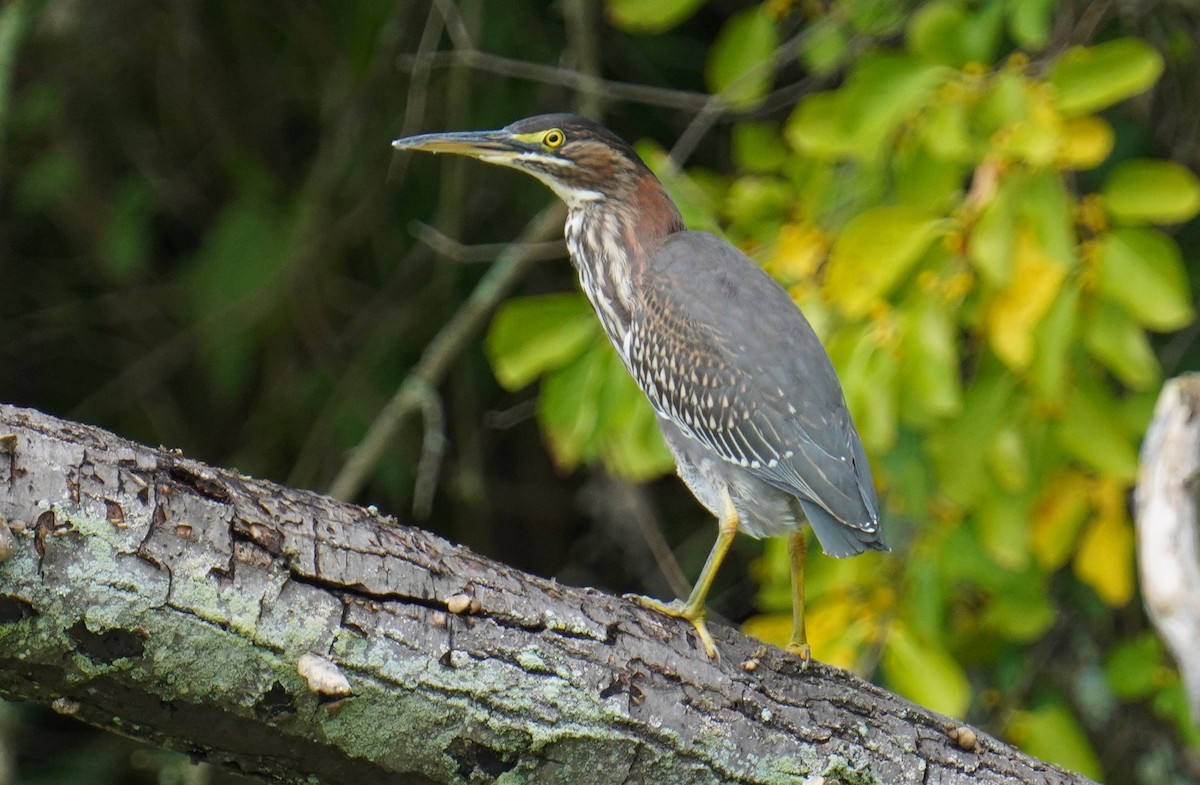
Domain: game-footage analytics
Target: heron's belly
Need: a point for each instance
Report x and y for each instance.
(763, 509)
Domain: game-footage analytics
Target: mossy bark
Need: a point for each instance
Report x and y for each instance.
(169, 601)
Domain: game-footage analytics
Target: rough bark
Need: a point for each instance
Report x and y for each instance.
(1167, 530)
(160, 598)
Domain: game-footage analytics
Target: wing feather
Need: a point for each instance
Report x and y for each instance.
(723, 352)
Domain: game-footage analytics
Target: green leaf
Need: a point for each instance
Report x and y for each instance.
(992, 241)
(859, 120)
(1004, 520)
(926, 182)
(530, 336)
(569, 406)
(1051, 732)
(49, 178)
(1029, 22)
(922, 670)
(1143, 271)
(1053, 338)
(1148, 191)
(874, 17)
(1091, 431)
(1134, 669)
(738, 66)
(876, 250)
(759, 205)
(1045, 205)
(868, 373)
(650, 16)
(819, 126)
(930, 374)
(757, 147)
(935, 32)
(825, 46)
(955, 447)
(235, 286)
(943, 33)
(947, 132)
(125, 246)
(631, 442)
(1115, 340)
(1019, 608)
(1087, 79)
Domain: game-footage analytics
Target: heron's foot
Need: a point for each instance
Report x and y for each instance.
(681, 610)
(801, 650)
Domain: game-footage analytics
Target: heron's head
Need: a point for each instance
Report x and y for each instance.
(580, 160)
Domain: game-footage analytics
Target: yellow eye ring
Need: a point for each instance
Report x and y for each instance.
(554, 138)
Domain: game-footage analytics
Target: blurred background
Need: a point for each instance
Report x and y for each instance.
(986, 208)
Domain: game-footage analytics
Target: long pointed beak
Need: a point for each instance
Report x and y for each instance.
(476, 144)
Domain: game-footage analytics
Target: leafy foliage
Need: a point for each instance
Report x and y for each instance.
(209, 245)
(991, 323)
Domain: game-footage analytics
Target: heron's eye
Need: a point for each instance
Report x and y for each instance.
(554, 138)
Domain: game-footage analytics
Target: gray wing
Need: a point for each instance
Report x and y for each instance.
(722, 351)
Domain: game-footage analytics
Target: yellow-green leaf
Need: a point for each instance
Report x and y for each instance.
(1015, 311)
(1053, 339)
(1004, 529)
(869, 380)
(1149, 191)
(738, 64)
(947, 132)
(1046, 206)
(532, 335)
(1029, 22)
(1105, 557)
(931, 378)
(859, 119)
(758, 147)
(875, 251)
(825, 45)
(1058, 517)
(992, 241)
(923, 671)
(818, 126)
(649, 16)
(935, 31)
(1091, 431)
(1142, 270)
(1087, 79)
(1115, 340)
(955, 447)
(1085, 143)
(1052, 733)
(799, 249)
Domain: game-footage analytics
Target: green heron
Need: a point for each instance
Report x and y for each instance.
(746, 396)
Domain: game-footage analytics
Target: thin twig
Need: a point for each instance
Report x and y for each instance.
(438, 357)
(581, 34)
(433, 447)
(449, 248)
(717, 106)
(545, 74)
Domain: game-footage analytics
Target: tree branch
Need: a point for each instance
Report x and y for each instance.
(296, 638)
(1167, 529)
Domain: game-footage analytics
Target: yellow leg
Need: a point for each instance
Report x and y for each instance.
(693, 609)
(797, 550)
